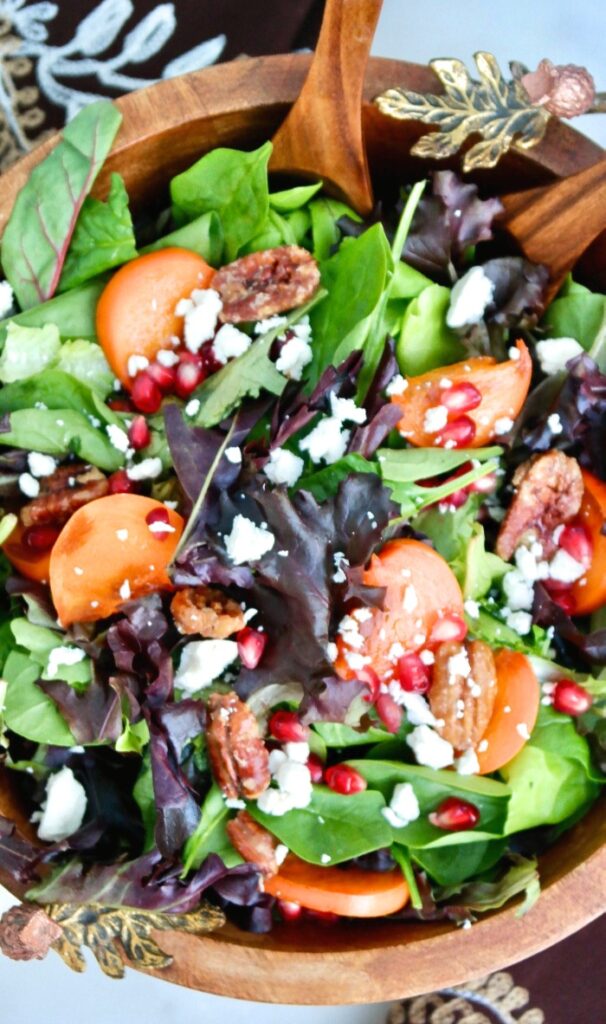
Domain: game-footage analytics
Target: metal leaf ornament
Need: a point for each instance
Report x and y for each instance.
(497, 109)
(107, 931)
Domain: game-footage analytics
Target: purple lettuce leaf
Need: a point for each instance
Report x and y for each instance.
(330, 700)
(381, 414)
(177, 805)
(580, 402)
(141, 642)
(294, 410)
(519, 288)
(182, 721)
(590, 646)
(300, 594)
(93, 714)
(18, 857)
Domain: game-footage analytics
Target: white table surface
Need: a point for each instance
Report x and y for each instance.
(526, 30)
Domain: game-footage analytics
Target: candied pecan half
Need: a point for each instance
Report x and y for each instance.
(206, 611)
(548, 493)
(63, 493)
(27, 932)
(238, 756)
(265, 283)
(253, 842)
(463, 691)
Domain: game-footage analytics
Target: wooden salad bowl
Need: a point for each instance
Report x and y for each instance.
(166, 128)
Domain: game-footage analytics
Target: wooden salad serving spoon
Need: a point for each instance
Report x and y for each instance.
(321, 136)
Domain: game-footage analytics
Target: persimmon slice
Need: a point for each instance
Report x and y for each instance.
(34, 565)
(503, 387)
(589, 593)
(107, 554)
(514, 714)
(349, 892)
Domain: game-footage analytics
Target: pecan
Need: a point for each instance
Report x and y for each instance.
(265, 283)
(548, 493)
(27, 932)
(463, 691)
(63, 493)
(253, 842)
(238, 756)
(206, 611)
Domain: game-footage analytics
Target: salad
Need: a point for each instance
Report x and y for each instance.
(303, 546)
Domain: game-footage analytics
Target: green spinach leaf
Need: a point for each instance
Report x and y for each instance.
(203, 235)
(103, 237)
(425, 341)
(43, 219)
(325, 482)
(73, 313)
(27, 709)
(39, 642)
(210, 835)
(28, 350)
(451, 865)
(325, 213)
(61, 432)
(337, 734)
(412, 464)
(293, 198)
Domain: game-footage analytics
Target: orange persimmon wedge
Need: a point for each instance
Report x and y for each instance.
(420, 588)
(136, 311)
(503, 387)
(34, 565)
(107, 554)
(515, 711)
(348, 892)
(589, 593)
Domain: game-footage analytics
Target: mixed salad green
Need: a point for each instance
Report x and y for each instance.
(303, 546)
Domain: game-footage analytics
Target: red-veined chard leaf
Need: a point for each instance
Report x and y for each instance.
(43, 219)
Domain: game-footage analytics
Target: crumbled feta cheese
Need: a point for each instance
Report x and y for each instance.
(472, 608)
(203, 661)
(78, 571)
(7, 299)
(230, 343)
(302, 329)
(122, 534)
(295, 780)
(518, 590)
(503, 425)
(125, 591)
(41, 465)
(298, 752)
(63, 656)
(148, 469)
(345, 410)
(429, 748)
(326, 441)
(554, 353)
(554, 423)
(280, 853)
(427, 657)
(469, 298)
(445, 382)
(513, 353)
(294, 356)
(135, 364)
(167, 358)
(274, 802)
(247, 542)
(341, 563)
(159, 527)
(467, 763)
(522, 730)
(435, 419)
(356, 661)
(418, 711)
(276, 758)
(564, 568)
(200, 313)
(325, 858)
(362, 614)
(28, 485)
(396, 386)
(332, 651)
(193, 407)
(403, 806)
(118, 437)
(410, 600)
(284, 467)
(531, 563)
(234, 803)
(270, 324)
(520, 622)
(64, 807)
(234, 455)
(458, 665)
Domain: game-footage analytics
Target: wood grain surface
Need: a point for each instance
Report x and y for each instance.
(167, 127)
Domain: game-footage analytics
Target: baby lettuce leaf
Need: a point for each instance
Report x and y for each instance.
(425, 342)
(210, 835)
(578, 313)
(60, 432)
(340, 827)
(231, 183)
(43, 219)
(412, 464)
(73, 313)
(18, 856)
(451, 865)
(337, 734)
(39, 642)
(28, 350)
(521, 877)
(203, 235)
(324, 483)
(28, 711)
(325, 232)
(431, 788)
(293, 198)
(103, 237)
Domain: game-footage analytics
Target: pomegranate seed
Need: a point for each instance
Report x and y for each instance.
(120, 404)
(120, 483)
(185, 356)
(455, 815)
(251, 644)
(413, 674)
(138, 433)
(209, 361)
(157, 515)
(448, 627)
(188, 377)
(289, 911)
(145, 393)
(458, 433)
(576, 541)
(369, 676)
(163, 376)
(456, 500)
(287, 728)
(323, 917)
(316, 768)
(389, 712)
(461, 397)
(343, 779)
(41, 538)
(564, 599)
(485, 485)
(571, 699)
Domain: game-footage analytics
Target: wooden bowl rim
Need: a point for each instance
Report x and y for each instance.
(263, 968)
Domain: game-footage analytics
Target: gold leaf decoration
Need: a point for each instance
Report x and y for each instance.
(108, 930)
(496, 108)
